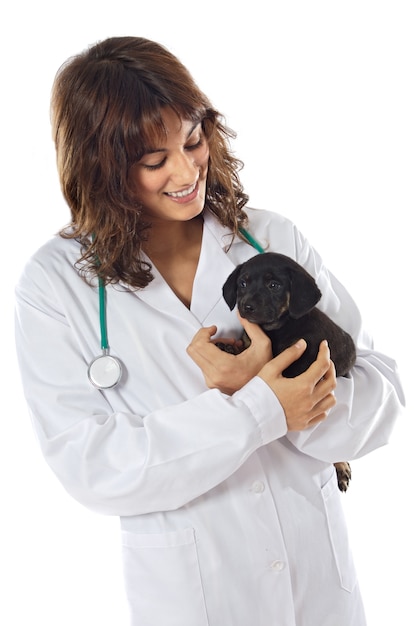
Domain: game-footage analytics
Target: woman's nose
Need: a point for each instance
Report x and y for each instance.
(184, 168)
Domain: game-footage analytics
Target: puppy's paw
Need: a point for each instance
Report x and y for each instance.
(343, 469)
(231, 348)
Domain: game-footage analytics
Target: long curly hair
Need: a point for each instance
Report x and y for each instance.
(105, 111)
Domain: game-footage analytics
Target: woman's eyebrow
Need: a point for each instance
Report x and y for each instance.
(193, 128)
(154, 150)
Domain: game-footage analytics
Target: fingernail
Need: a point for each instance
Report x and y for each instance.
(301, 343)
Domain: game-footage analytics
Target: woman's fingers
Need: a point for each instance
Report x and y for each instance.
(321, 367)
(307, 398)
(254, 332)
(225, 371)
(201, 349)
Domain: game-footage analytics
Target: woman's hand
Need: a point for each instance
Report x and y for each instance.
(229, 372)
(307, 398)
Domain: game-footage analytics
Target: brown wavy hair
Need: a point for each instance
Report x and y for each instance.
(106, 111)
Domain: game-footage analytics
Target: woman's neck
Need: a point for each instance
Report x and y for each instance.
(166, 240)
(174, 249)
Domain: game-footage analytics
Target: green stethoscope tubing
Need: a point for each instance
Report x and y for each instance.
(103, 314)
(251, 240)
(105, 371)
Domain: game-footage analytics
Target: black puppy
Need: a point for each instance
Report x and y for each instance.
(275, 292)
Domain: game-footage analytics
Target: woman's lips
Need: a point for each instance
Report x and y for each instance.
(186, 195)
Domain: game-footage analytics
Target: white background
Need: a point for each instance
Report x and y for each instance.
(322, 96)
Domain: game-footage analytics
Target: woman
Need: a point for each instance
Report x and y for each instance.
(219, 467)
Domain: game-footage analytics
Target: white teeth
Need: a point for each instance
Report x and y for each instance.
(182, 194)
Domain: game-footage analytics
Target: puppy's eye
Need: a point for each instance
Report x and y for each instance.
(242, 283)
(273, 284)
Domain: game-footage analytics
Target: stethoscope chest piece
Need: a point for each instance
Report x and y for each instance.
(105, 371)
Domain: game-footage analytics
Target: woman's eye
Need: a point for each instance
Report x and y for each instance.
(197, 144)
(154, 166)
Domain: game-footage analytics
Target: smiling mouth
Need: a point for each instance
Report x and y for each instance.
(184, 193)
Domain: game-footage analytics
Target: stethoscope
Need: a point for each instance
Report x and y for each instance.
(105, 371)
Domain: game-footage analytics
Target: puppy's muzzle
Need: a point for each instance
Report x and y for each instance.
(252, 311)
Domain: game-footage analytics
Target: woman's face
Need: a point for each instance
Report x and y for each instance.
(170, 181)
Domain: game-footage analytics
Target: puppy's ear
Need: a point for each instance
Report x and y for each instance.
(229, 290)
(304, 294)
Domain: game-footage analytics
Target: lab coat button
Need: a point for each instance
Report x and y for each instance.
(277, 566)
(257, 487)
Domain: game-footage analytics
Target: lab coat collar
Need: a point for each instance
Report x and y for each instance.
(214, 267)
(222, 234)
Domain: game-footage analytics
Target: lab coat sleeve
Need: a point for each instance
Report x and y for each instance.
(121, 462)
(370, 399)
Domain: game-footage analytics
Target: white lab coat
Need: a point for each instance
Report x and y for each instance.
(226, 518)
